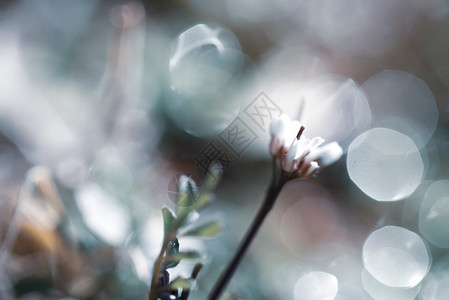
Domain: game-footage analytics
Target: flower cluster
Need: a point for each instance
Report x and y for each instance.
(300, 156)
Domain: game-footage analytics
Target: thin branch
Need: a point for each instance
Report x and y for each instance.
(270, 198)
(156, 270)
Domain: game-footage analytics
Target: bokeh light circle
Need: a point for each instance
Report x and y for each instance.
(402, 102)
(379, 291)
(201, 117)
(335, 108)
(436, 285)
(204, 60)
(205, 66)
(385, 164)
(434, 214)
(103, 214)
(396, 257)
(316, 286)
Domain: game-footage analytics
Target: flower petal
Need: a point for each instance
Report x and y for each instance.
(291, 155)
(279, 125)
(328, 154)
(314, 143)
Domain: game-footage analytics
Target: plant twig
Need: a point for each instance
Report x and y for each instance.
(270, 198)
(157, 269)
(185, 293)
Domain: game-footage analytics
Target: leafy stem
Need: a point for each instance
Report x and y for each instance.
(189, 202)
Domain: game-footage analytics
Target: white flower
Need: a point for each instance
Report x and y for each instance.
(299, 150)
(283, 131)
(300, 156)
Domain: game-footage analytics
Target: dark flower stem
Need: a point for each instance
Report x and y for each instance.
(272, 193)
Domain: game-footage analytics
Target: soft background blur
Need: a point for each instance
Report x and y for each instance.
(117, 98)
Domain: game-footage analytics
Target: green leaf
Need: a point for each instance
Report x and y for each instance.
(169, 219)
(172, 249)
(209, 185)
(187, 198)
(190, 218)
(213, 176)
(169, 265)
(185, 201)
(202, 201)
(176, 258)
(209, 229)
(182, 283)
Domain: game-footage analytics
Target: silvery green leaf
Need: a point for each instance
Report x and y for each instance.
(182, 255)
(209, 229)
(172, 249)
(190, 218)
(182, 283)
(169, 218)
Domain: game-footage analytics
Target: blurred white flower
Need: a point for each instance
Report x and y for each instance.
(283, 132)
(299, 155)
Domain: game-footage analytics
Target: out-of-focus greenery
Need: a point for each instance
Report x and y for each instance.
(189, 203)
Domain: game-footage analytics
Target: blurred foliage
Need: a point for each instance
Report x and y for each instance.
(189, 203)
